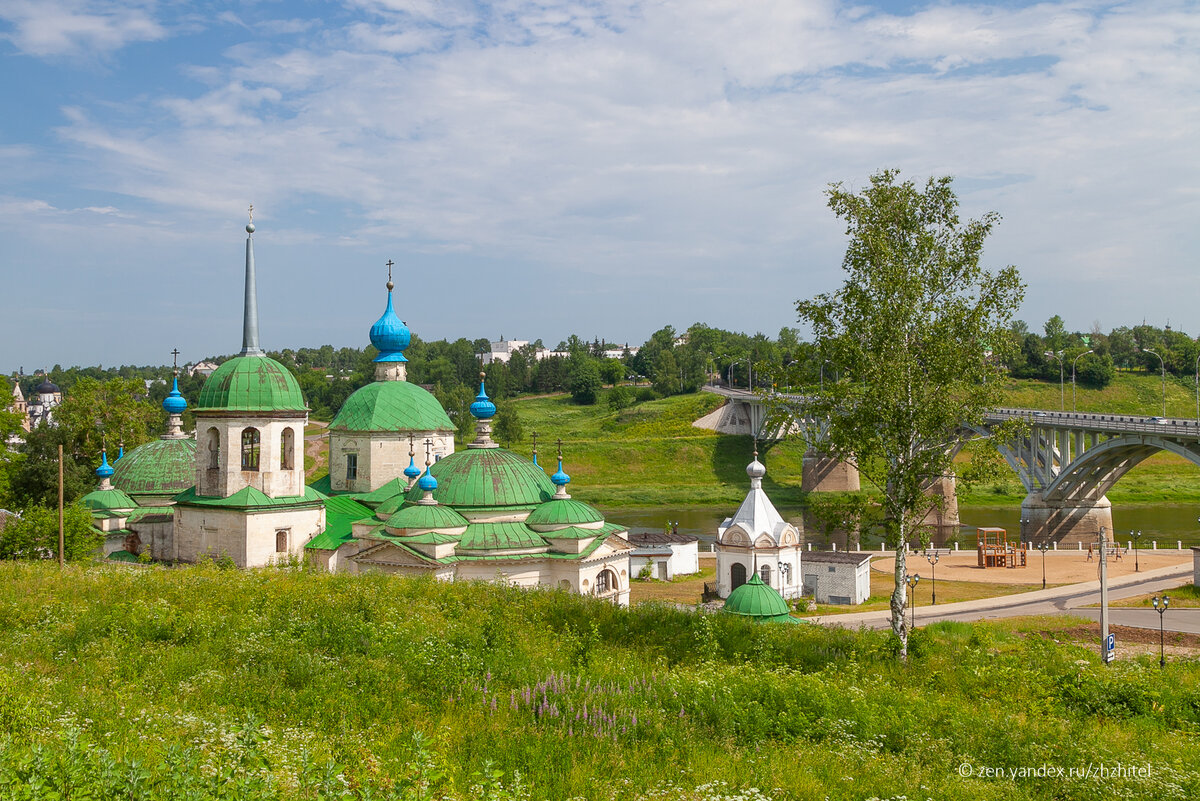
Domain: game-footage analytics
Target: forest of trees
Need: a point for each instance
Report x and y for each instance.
(106, 406)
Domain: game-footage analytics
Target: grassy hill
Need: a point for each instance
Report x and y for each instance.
(649, 454)
(282, 684)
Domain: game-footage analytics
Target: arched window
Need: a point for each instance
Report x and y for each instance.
(214, 448)
(764, 573)
(737, 575)
(250, 445)
(287, 450)
(606, 582)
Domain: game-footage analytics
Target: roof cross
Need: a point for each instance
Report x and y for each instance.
(175, 359)
(428, 449)
(250, 211)
(559, 442)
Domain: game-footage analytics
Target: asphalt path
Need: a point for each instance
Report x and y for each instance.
(1072, 599)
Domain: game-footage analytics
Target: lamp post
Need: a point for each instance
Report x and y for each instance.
(1163, 366)
(1135, 538)
(1073, 361)
(1043, 547)
(912, 582)
(785, 571)
(1062, 391)
(931, 556)
(1166, 599)
(1198, 388)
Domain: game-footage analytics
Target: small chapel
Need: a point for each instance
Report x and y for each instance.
(236, 490)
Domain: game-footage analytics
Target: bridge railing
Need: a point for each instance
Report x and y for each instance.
(1100, 422)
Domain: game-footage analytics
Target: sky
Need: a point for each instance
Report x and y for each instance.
(537, 169)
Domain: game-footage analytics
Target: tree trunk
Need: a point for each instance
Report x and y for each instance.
(899, 603)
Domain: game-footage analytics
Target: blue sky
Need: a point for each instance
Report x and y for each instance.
(537, 169)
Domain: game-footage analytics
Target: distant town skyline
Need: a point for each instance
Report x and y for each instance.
(543, 169)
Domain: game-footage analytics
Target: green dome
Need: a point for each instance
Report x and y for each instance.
(161, 467)
(251, 384)
(390, 506)
(563, 512)
(392, 406)
(757, 600)
(107, 500)
(483, 478)
(423, 517)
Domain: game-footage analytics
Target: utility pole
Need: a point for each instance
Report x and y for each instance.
(60, 507)
(1103, 597)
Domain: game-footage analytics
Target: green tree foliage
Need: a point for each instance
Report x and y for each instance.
(35, 534)
(585, 380)
(612, 371)
(456, 400)
(910, 329)
(34, 478)
(507, 426)
(619, 398)
(95, 414)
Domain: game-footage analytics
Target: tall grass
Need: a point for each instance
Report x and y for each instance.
(203, 683)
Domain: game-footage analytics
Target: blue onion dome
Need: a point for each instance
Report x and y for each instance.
(390, 335)
(427, 483)
(174, 402)
(560, 479)
(483, 408)
(412, 471)
(105, 470)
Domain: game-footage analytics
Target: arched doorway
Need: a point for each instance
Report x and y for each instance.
(737, 575)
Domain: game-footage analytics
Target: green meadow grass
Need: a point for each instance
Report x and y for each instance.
(204, 683)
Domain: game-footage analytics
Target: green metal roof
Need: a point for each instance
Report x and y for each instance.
(123, 556)
(340, 515)
(104, 500)
(392, 406)
(563, 512)
(389, 507)
(483, 478)
(431, 538)
(324, 486)
(250, 498)
(160, 467)
(573, 533)
(499, 537)
(397, 486)
(421, 516)
(757, 600)
(251, 384)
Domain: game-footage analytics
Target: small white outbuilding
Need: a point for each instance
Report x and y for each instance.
(837, 577)
(669, 554)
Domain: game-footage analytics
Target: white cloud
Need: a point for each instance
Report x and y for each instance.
(673, 145)
(78, 27)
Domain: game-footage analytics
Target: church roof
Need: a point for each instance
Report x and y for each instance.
(391, 489)
(757, 516)
(426, 516)
(564, 512)
(251, 384)
(249, 498)
(340, 515)
(756, 600)
(392, 406)
(106, 500)
(500, 537)
(481, 478)
(159, 467)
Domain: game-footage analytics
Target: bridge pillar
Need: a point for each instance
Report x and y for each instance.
(947, 516)
(1065, 522)
(822, 473)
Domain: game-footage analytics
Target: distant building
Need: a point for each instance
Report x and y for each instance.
(40, 408)
(837, 577)
(203, 368)
(669, 554)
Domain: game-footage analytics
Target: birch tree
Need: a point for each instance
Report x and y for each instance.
(917, 334)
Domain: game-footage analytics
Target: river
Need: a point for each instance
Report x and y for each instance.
(1165, 523)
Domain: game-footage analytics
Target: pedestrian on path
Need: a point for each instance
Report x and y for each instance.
(1089, 553)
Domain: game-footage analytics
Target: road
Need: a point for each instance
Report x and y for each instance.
(1071, 599)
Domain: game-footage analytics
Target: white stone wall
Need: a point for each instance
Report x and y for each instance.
(382, 456)
(229, 477)
(838, 580)
(246, 538)
(727, 556)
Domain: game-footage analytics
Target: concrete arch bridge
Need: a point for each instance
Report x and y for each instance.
(1066, 461)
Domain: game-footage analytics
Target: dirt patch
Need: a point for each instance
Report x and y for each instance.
(1131, 641)
(1062, 567)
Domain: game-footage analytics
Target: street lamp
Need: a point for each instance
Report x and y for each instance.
(785, 570)
(1135, 537)
(1043, 547)
(1163, 365)
(912, 582)
(1077, 358)
(1162, 662)
(931, 556)
(1062, 392)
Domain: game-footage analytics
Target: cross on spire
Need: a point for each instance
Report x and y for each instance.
(410, 445)
(559, 443)
(250, 211)
(175, 358)
(428, 450)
